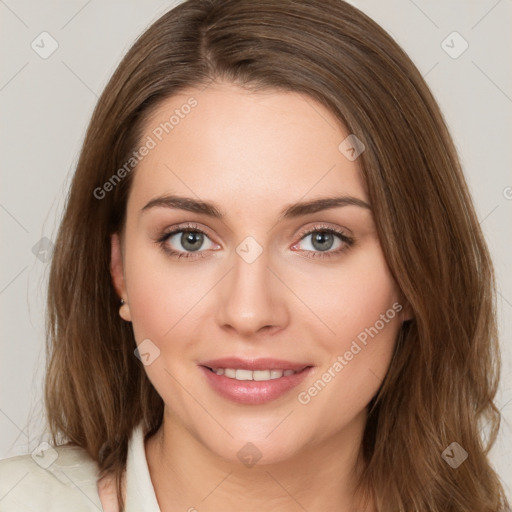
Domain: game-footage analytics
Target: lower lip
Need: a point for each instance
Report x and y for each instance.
(251, 391)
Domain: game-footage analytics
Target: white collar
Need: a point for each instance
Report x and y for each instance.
(140, 494)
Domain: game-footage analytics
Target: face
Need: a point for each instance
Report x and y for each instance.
(223, 297)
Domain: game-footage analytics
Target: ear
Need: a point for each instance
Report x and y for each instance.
(117, 274)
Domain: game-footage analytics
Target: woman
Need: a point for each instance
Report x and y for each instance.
(270, 288)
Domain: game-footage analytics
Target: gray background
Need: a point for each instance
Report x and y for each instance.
(46, 105)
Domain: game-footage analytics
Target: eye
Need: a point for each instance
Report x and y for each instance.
(183, 241)
(322, 240)
(190, 241)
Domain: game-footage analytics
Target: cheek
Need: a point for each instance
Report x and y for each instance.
(352, 296)
(161, 291)
(359, 304)
(146, 295)
(344, 298)
(161, 297)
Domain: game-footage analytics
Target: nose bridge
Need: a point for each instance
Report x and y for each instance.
(250, 299)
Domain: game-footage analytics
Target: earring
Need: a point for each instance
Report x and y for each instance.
(124, 311)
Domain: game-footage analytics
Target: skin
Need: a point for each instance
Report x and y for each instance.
(253, 154)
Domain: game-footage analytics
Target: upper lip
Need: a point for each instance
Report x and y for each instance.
(265, 363)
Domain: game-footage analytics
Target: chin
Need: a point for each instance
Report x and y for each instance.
(256, 443)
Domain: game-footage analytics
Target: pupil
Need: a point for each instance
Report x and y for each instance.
(322, 240)
(191, 240)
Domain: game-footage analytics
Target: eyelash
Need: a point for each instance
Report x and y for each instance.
(193, 228)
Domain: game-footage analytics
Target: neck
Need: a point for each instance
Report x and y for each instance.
(186, 475)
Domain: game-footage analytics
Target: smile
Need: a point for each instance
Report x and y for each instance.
(253, 382)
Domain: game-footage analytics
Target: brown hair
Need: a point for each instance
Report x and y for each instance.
(444, 374)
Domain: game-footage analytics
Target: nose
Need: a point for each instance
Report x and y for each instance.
(251, 299)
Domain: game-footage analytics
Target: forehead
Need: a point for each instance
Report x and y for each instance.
(237, 147)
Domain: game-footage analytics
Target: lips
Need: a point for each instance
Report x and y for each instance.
(253, 381)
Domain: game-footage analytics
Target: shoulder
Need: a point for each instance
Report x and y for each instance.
(51, 479)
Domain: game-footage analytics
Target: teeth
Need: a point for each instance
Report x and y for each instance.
(257, 375)
(243, 375)
(275, 374)
(261, 375)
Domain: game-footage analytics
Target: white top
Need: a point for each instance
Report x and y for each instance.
(65, 478)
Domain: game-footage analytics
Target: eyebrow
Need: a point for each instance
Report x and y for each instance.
(291, 211)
